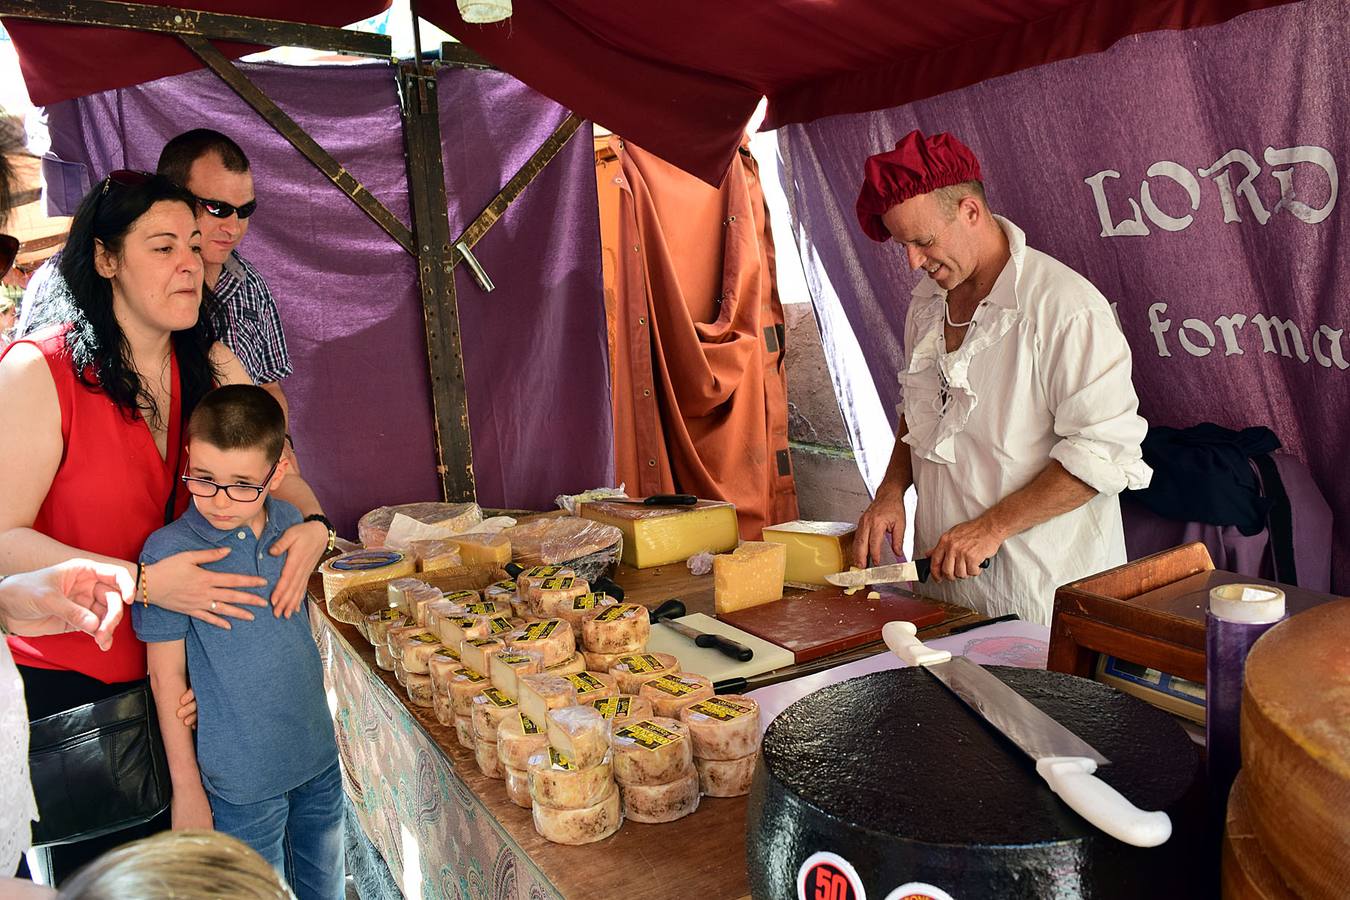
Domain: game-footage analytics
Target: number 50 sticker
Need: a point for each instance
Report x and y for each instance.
(828, 876)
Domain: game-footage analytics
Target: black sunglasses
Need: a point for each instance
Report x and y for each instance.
(9, 248)
(221, 210)
(126, 178)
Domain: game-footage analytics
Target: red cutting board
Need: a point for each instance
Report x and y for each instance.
(827, 621)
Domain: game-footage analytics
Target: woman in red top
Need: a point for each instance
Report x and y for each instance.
(90, 430)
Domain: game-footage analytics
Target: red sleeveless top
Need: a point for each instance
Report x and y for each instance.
(108, 495)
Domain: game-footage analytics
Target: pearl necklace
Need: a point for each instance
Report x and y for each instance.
(947, 314)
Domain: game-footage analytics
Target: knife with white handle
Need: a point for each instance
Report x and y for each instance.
(1062, 758)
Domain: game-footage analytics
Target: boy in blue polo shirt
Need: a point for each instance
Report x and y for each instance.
(265, 767)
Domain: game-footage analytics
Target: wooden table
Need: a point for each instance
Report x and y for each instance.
(699, 856)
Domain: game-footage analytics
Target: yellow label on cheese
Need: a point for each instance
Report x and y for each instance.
(514, 659)
(508, 586)
(542, 572)
(647, 734)
(450, 652)
(585, 681)
(483, 607)
(558, 584)
(675, 687)
(470, 676)
(426, 637)
(460, 596)
(613, 707)
(499, 625)
(537, 631)
(717, 708)
(465, 621)
(481, 642)
(389, 615)
(642, 662)
(497, 698)
(589, 601)
(559, 761)
(614, 613)
(527, 725)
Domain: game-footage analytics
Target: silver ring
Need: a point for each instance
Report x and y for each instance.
(213, 606)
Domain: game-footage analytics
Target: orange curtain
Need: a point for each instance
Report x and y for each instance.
(696, 330)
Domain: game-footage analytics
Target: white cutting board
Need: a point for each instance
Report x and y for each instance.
(713, 663)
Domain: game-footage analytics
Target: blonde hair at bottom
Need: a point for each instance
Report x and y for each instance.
(179, 865)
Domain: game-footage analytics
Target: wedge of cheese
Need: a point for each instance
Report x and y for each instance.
(506, 667)
(482, 549)
(814, 549)
(579, 733)
(750, 575)
(537, 694)
(658, 536)
(432, 556)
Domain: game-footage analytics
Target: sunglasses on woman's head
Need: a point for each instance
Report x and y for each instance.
(9, 249)
(221, 210)
(126, 178)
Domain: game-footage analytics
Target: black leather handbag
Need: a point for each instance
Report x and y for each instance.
(98, 768)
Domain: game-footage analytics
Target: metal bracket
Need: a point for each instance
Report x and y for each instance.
(480, 274)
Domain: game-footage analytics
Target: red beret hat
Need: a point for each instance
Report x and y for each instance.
(917, 165)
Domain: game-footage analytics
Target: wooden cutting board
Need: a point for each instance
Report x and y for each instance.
(714, 664)
(828, 621)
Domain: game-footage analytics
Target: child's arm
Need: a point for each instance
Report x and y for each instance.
(167, 662)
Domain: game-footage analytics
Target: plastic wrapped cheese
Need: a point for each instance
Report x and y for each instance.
(493, 608)
(417, 652)
(552, 637)
(398, 591)
(601, 662)
(384, 657)
(490, 706)
(633, 670)
(592, 686)
(537, 694)
(501, 591)
(531, 578)
(432, 556)
(579, 733)
(462, 597)
(400, 673)
(419, 689)
(556, 782)
(363, 567)
(725, 727)
(551, 593)
(579, 826)
(726, 777)
(623, 708)
(483, 549)
(652, 751)
(463, 685)
(505, 668)
(443, 707)
(573, 664)
(441, 609)
(464, 732)
(485, 752)
(518, 738)
(477, 653)
(397, 636)
(420, 601)
(558, 539)
(440, 668)
(615, 629)
(379, 622)
(456, 631)
(575, 611)
(452, 518)
(660, 802)
(517, 785)
(673, 691)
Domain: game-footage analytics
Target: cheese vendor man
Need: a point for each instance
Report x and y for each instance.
(1019, 424)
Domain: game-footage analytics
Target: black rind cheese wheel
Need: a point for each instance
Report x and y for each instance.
(897, 776)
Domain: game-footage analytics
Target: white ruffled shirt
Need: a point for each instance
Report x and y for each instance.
(1043, 374)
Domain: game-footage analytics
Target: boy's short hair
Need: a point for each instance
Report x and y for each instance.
(178, 155)
(239, 417)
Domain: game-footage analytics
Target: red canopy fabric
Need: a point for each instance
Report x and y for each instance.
(64, 61)
(682, 79)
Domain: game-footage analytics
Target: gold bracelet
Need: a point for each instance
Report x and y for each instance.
(145, 587)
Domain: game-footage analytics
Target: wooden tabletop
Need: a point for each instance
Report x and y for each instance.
(701, 855)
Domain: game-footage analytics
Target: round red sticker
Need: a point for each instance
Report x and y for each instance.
(828, 876)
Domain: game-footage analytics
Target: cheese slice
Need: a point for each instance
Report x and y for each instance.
(363, 567)
(518, 738)
(557, 783)
(476, 653)
(658, 536)
(814, 549)
(482, 549)
(539, 693)
(615, 629)
(580, 733)
(432, 556)
(635, 669)
(751, 575)
(517, 784)
(652, 751)
(579, 826)
(725, 727)
(505, 668)
(660, 802)
(726, 777)
(673, 691)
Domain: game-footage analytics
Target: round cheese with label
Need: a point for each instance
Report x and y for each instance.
(419, 688)
(652, 751)
(517, 785)
(506, 667)
(614, 629)
(442, 707)
(579, 733)
(601, 662)
(551, 637)
(464, 732)
(485, 752)
(673, 691)
(552, 593)
(395, 636)
(726, 777)
(378, 623)
(440, 667)
(441, 609)
(556, 782)
(518, 738)
(592, 686)
(531, 578)
(455, 631)
(633, 670)
(579, 826)
(490, 706)
(419, 649)
(464, 684)
(501, 591)
(725, 727)
(537, 694)
(656, 803)
(575, 611)
(575, 663)
(623, 708)
(476, 653)
(363, 567)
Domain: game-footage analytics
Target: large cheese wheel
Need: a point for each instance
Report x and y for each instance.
(632, 671)
(725, 727)
(476, 653)
(653, 803)
(531, 578)
(505, 668)
(592, 686)
(419, 649)
(579, 733)
(575, 610)
(419, 689)
(623, 708)
(579, 826)
(537, 694)
(517, 784)
(442, 707)
(557, 783)
(552, 637)
(652, 751)
(551, 593)
(485, 752)
(1296, 748)
(464, 732)
(363, 567)
(464, 684)
(726, 777)
(490, 706)
(378, 623)
(615, 629)
(573, 664)
(672, 692)
(518, 738)
(373, 527)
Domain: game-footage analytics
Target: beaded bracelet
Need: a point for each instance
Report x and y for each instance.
(145, 587)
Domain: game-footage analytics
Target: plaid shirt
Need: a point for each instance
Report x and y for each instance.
(245, 318)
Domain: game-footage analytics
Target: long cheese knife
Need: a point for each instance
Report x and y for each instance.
(674, 608)
(1062, 758)
(918, 570)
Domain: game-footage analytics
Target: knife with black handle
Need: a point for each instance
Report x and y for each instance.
(673, 609)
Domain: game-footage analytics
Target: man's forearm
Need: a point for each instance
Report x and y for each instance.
(900, 470)
(1051, 493)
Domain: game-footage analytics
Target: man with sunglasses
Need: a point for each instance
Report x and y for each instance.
(244, 315)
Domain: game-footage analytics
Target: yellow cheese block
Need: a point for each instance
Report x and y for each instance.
(814, 549)
(660, 535)
(749, 576)
(363, 567)
(477, 549)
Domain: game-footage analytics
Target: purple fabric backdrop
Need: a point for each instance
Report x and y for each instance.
(347, 293)
(1246, 272)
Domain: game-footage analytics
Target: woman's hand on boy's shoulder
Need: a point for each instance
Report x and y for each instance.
(304, 545)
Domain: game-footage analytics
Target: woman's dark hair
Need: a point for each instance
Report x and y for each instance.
(98, 349)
